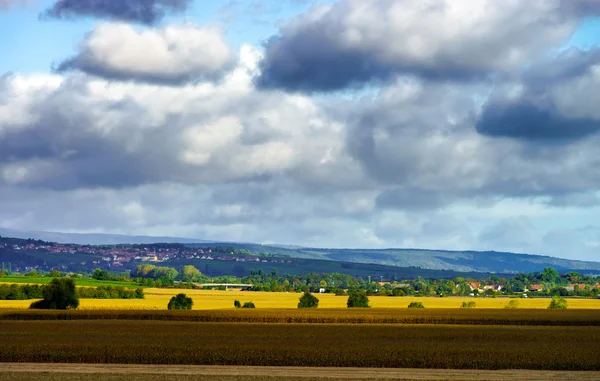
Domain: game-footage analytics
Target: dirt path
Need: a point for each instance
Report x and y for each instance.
(300, 372)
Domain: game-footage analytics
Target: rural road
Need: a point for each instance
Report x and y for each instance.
(300, 372)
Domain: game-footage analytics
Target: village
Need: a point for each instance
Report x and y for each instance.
(115, 257)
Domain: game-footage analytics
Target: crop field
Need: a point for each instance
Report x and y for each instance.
(529, 317)
(157, 299)
(85, 282)
(320, 345)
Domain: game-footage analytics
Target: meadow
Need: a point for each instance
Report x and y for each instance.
(83, 282)
(158, 298)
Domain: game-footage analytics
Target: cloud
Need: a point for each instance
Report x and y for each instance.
(9, 3)
(142, 11)
(77, 133)
(555, 102)
(172, 55)
(353, 42)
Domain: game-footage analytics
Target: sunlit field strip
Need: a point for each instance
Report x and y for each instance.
(157, 299)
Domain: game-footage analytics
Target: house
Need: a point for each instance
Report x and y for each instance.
(474, 285)
(321, 291)
(536, 287)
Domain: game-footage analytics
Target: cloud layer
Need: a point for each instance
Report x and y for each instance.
(353, 42)
(141, 11)
(482, 137)
(172, 55)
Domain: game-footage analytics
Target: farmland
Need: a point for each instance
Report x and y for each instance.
(337, 345)
(157, 299)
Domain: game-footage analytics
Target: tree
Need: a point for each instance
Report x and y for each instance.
(550, 275)
(190, 274)
(416, 305)
(237, 304)
(180, 302)
(60, 294)
(100, 274)
(358, 299)
(249, 305)
(468, 305)
(558, 302)
(308, 300)
(55, 274)
(2, 273)
(512, 304)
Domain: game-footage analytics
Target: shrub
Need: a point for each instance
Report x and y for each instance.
(358, 299)
(180, 302)
(237, 304)
(55, 274)
(558, 302)
(249, 305)
(416, 305)
(2, 273)
(468, 305)
(513, 304)
(308, 300)
(59, 294)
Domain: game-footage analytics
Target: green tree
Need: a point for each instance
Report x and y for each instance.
(468, 305)
(512, 304)
(308, 300)
(60, 294)
(550, 275)
(2, 273)
(180, 302)
(190, 274)
(358, 299)
(416, 305)
(100, 274)
(558, 302)
(55, 274)
(249, 305)
(237, 304)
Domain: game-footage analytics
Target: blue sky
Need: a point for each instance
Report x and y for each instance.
(378, 124)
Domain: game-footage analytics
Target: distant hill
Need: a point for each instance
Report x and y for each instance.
(462, 261)
(94, 239)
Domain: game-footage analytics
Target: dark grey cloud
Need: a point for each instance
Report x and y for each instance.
(142, 11)
(354, 42)
(170, 56)
(534, 123)
(555, 102)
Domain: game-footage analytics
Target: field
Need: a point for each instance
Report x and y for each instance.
(119, 372)
(157, 299)
(84, 282)
(325, 345)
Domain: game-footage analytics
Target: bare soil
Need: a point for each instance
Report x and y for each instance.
(59, 372)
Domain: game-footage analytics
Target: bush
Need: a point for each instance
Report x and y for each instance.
(513, 304)
(468, 305)
(249, 305)
(59, 294)
(416, 305)
(558, 302)
(308, 300)
(358, 299)
(55, 274)
(180, 302)
(237, 304)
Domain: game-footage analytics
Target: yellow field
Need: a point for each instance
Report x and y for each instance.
(157, 299)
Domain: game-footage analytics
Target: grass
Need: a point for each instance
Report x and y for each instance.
(326, 345)
(83, 282)
(157, 299)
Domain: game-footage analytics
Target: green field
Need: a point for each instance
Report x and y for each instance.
(84, 282)
(320, 345)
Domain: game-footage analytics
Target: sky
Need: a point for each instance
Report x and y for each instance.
(438, 124)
